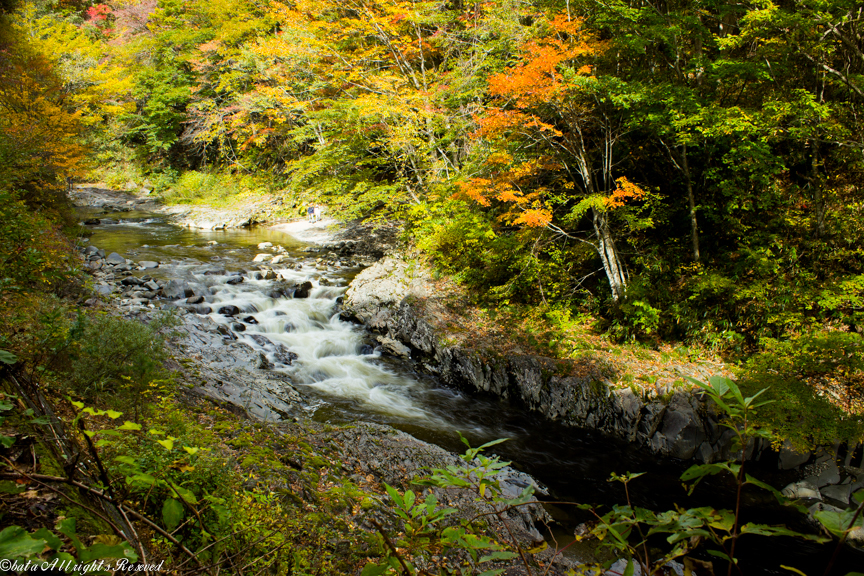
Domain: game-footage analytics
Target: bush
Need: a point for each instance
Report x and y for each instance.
(118, 357)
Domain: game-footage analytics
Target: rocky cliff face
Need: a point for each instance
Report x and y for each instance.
(679, 424)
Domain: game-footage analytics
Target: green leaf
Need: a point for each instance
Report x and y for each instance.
(628, 571)
(190, 450)
(127, 425)
(41, 421)
(51, 540)
(127, 460)
(172, 513)
(16, 543)
(4, 406)
(185, 493)
(168, 443)
(113, 414)
(142, 478)
(498, 555)
(791, 569)
(374, 570)
(7, 357)
(859, 496)
(719, 554)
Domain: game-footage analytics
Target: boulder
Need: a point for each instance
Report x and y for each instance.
(92, 222)
(303, 290)
(839, 492)
(234, 280)
(250, 320)
(115, 258)
(229, 310)
(151, 285)
(802, 489)
(238, 327)
(265, 245)
(176, 289)
(790, 457)
(195, 300)
(262, 257)
(394, 347)
(148, 264)
(132, 281)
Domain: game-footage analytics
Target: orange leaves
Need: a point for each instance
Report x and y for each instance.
(538, 77)
(624, 192)
(534, 217)
(507, 184)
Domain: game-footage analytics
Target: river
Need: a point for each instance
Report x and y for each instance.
(345, 382)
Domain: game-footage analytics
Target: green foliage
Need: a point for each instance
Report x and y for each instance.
(427, 526)
(16, 544)
(34, 254)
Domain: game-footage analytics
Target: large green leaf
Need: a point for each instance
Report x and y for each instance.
(16, 543)
(172, 513)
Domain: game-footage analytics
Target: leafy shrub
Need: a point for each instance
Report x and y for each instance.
(119, 357)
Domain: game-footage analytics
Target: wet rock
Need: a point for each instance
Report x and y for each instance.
(367, 349)
(840, 493)
(250, 320)
(132, 281)
(91, 250)
(262, 257)
(176, 289)
(289, 327)
(214, 273)
(92, 222)
(278, 259)
(195, 300)
(115, 258)
(238, 327)
(229, 310)
(303, 290)
(265, 245)
(269, 275)
(802, 489)
(394, 347)
(225, 331)
(234, 280)
(151, 285)
(148, 264)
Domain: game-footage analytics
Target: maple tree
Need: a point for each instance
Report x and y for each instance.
(550, 128)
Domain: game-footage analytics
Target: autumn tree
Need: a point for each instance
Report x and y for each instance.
(551, 136)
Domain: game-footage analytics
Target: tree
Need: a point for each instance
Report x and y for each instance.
(552, 121)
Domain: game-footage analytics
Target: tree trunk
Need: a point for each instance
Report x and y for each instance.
(694, 228)
(609, 255)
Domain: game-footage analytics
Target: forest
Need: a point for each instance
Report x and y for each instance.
(667, 172)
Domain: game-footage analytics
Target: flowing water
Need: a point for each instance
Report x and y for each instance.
(346, 380)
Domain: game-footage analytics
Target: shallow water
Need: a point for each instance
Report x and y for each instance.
(346, 385)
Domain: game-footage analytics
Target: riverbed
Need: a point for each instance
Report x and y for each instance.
(346, 376)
